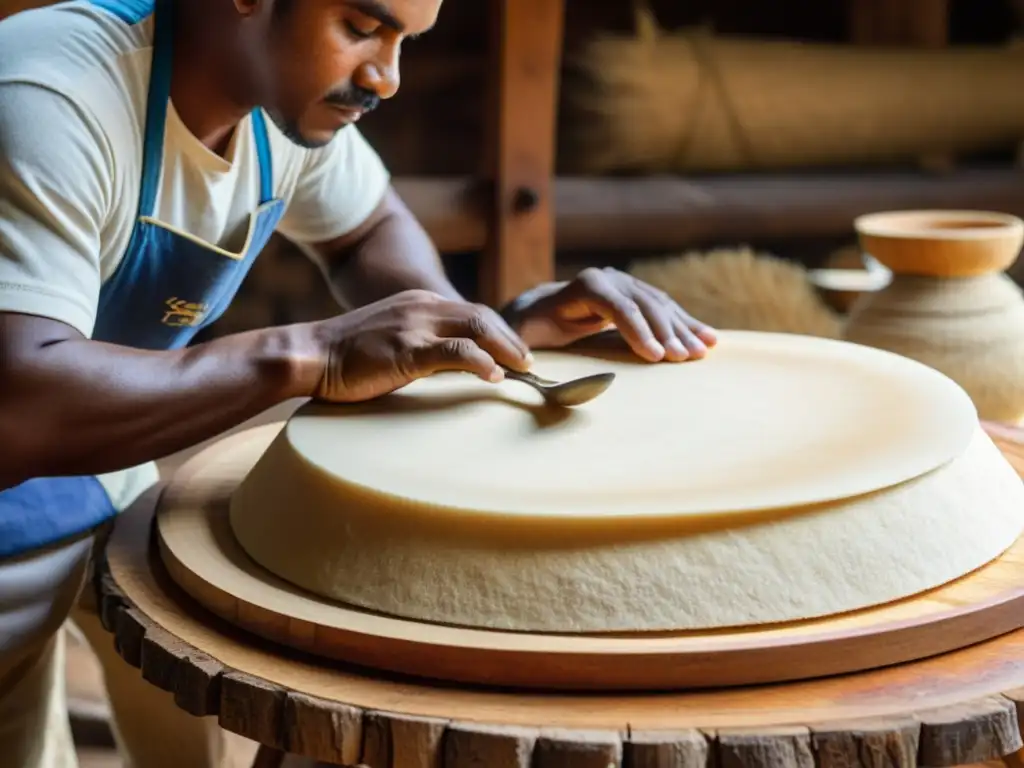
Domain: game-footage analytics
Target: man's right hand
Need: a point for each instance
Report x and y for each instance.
(381, 347)
(74, 406)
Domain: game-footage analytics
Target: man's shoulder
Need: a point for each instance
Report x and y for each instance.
(96, 54)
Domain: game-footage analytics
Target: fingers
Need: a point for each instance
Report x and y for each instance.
(654, 325)
(384, 346)
(476, 321)
(627, 312)
(486, 330)
(454, 354)
(688, 338)
(522, 350)
(662, 323)
(703, 331)
(457, 336)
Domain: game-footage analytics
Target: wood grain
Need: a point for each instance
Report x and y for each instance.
(871, 719)
(969, 732)
(474, 746)
(882, 743)
(577, 749)
(323, 730)
(668, 749)
(765, 747)
(519, 151)
(398, 741)
(603, 215)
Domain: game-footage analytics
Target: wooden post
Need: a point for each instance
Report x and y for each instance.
(519, 152)
(268, 757)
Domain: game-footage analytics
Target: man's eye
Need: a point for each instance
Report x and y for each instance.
(356, 31)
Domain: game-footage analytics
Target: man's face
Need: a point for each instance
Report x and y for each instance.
(326, 62)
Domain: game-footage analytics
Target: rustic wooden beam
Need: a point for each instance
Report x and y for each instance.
(519, 146)
(668, 212)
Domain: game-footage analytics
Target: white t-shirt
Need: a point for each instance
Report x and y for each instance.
(73, 92)
(74, 83)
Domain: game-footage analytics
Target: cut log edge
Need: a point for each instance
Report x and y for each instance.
(197, 680)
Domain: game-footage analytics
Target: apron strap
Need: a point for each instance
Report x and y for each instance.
(128, 11)
(266, 160)
(134, 12)
(156, 107)
(156, 116)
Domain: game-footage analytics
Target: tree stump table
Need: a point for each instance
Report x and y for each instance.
(952, 709)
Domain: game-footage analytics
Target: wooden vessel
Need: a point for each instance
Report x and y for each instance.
(951, 710)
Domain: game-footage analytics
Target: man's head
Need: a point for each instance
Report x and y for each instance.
(316, 65)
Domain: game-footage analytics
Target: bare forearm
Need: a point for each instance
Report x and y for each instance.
(76, 406)
(395, 255)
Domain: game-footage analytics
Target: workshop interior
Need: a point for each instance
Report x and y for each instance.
(824, 175)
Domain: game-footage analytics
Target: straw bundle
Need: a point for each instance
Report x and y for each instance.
(692, 101)
(971, 329)
(739, 289)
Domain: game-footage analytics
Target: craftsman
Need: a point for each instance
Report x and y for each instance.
(146, 156)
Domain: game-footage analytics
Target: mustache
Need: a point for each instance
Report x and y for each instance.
(354, 97)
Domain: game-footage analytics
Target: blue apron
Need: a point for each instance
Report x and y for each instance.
(166, 289)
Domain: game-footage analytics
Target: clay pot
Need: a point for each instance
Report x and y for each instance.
(949, 306)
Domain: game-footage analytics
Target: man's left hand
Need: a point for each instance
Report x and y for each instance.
(655, 327)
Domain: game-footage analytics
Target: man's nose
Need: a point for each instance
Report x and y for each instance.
(382, 74)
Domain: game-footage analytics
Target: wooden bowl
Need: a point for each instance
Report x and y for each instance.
(942, 243)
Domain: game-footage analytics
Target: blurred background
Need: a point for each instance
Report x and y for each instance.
(681, 127)
(534, 138)
(720, 150)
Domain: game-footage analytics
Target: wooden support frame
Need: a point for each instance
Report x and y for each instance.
(519, 151)
(643, 213)
(518, 227)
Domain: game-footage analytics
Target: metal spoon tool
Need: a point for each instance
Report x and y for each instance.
(565, 393)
